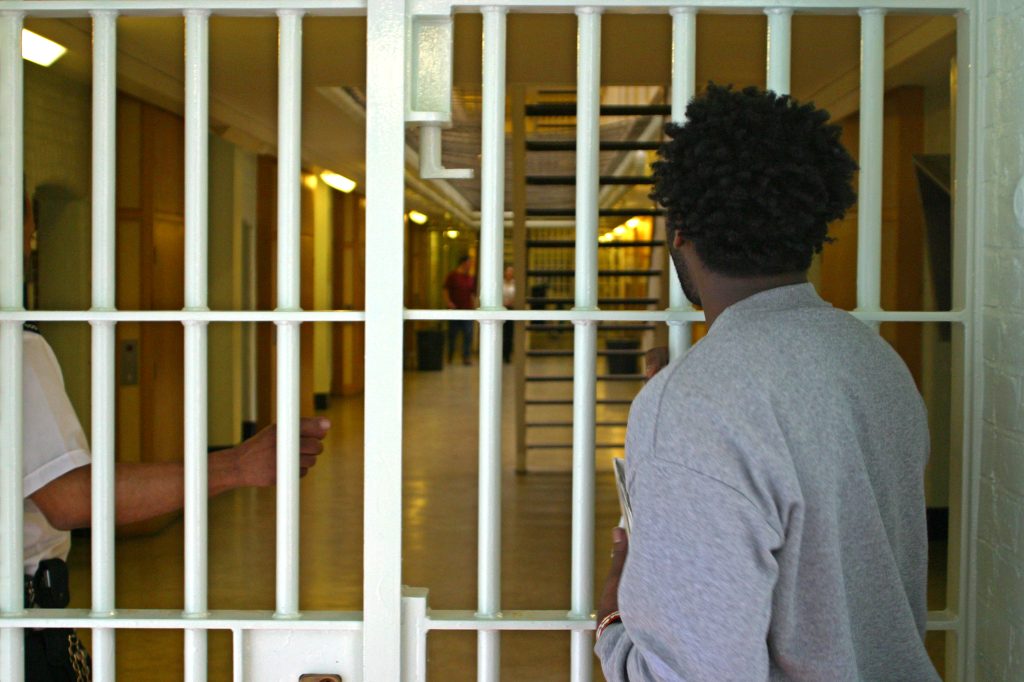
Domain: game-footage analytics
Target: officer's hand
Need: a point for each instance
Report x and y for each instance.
(257, 457)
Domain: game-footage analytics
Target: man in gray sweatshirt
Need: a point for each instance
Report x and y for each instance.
(776, 470)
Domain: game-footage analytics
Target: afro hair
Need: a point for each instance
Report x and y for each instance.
(752, 179)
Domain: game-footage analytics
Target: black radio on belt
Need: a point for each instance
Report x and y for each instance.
(50, 584)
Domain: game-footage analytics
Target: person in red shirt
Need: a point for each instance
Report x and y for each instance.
(460, 294)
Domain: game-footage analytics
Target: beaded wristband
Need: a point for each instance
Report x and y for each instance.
(613, 617)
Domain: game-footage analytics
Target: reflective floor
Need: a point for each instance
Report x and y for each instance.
(440, 473)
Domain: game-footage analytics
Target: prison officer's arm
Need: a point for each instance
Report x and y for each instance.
(149, 489)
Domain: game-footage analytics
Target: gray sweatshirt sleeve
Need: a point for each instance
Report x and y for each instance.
(696, 593)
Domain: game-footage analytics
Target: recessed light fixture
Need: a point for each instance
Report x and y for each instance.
(39, 50)
(338, 182)
(633, 223)
(417, 217)
(619, 230)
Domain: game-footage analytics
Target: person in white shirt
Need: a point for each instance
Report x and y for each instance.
(508, 299)
(57, 491)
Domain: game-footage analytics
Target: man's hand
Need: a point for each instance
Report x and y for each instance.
(610, 594)
(255, 460)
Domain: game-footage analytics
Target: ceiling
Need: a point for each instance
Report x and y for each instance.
(541, 56)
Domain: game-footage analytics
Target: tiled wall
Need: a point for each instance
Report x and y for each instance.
(1000, 562)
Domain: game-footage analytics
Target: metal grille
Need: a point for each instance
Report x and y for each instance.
(390, 635)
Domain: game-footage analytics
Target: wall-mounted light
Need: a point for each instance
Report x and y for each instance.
(417, 217)
(39, 50)
(338, 182)
(451, 234)
(309, 180)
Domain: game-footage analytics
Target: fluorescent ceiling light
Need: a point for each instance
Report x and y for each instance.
(338, 182)
(417, 217)
(451, 234)
(619, 231)
(309, 181)
(633, 223)
(40, 50)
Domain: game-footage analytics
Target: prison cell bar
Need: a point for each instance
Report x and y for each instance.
(684, 84)
(385, 187)
(779, 30)
(869, 196)
(588, 145)
(288, 298)
(11, 280)
(492, 236)
(197, 40)
(104, 268)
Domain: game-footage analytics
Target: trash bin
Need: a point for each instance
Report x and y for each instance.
(429, 350)
(624, 363)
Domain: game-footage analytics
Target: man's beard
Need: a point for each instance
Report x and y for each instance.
(689, 290)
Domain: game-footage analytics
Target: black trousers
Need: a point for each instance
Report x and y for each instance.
(55, 656)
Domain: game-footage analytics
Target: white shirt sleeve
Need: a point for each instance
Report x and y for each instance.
(53, 438)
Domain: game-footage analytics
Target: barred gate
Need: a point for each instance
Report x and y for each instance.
(387, 641)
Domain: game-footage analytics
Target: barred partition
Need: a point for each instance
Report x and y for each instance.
(387, 640)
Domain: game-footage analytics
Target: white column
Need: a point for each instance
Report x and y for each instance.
(104, 268)
(197, 39)
(869, 201)
(779, 24)
(588, 133)
(492, 238)
(684, 79)
(385, 187)
(288, 285)
(11, 280)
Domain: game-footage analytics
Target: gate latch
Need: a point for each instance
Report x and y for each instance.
(428, 89)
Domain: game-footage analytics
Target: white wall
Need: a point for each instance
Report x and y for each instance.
(1000, 541)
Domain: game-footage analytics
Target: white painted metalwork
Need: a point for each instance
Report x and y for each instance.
(584, 389)
(197, 40)
(684, 84)
(11, 277)
(104, 268)
(380, 627)
(382, 507)
(869, 196)
(779, 29)
(492, 238)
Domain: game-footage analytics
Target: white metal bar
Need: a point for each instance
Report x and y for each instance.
(72, 8)
(11, 278)
(288, 298)
(588, 134)
(431, 314)
(780, 20)
(104, 268)
(237, 659)
(382, 507)
(197, 39)
(342, 7)
(588, 143)
(869, 208)
(684, 85)
(492, 238)
(969, 291)
(174, 619)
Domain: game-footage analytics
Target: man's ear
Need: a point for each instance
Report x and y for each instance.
(677, 239)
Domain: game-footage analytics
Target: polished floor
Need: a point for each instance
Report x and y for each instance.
(440, 474)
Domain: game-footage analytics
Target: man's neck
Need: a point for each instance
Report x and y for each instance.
(718, 292)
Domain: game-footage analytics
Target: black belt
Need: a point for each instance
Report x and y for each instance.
(48, 588)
